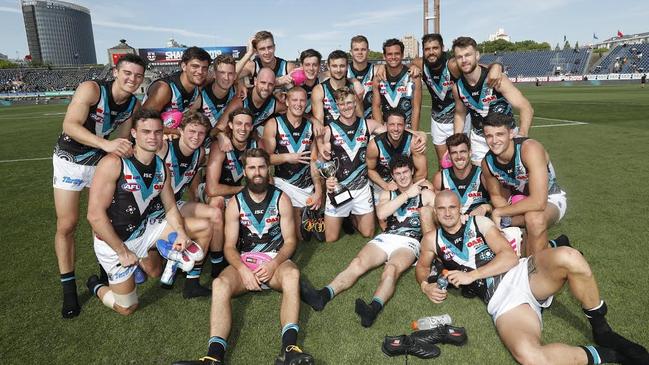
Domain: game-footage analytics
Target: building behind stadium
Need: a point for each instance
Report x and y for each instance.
(58, 32)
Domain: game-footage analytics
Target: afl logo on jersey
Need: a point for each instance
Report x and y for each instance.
(131, 187)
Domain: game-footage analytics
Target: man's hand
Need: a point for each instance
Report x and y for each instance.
(392, 186)
(127, 258)
(458, 278)
(266, 271)
(434, 293)
(181, 242)
(249, 279)
(494, 77)
(225, 144)
(314, 202)
(297, 158)
(331, 184)
(414, 71)
(419, 142)
(122, 147)
(496, 217)
(414, 189)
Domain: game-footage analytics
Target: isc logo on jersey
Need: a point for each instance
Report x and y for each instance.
(131, 187)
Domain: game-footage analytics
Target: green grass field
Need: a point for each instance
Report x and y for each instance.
(602, 165)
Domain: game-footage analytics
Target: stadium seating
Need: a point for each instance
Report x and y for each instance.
(540, 63)
(625, 59)
(18, 80)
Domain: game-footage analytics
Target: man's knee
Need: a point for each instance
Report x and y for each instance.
(222, 286)
(572, 261)
(390, 272)
(124, 304)
(290, 274)
(535, 222)
(66, 224)
(528, 355)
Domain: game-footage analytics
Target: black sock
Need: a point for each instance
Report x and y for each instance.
(327, 294)
(218, 262)
(597, 318)
(194, 275)
(600, 355)
(217, 346)
(376, 304)
(560, 241)
(70, 306)
(289, 335)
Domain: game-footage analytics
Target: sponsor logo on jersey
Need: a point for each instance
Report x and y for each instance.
(476, 242)
(272, 219)
(158, 186)
(475, 194)
(489, 99)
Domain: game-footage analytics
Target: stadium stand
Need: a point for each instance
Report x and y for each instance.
(541, 63)
(625, 59)
(19, 80)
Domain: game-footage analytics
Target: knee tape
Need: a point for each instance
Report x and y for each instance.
(126, 300)
(108, 299)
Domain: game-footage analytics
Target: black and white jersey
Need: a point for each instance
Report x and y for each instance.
(137, 187)
(259, 223)
(103, 118)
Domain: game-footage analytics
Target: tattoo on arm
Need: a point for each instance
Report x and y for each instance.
(531, 266)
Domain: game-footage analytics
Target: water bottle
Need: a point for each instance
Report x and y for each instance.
(442, 280)
(169, 273)
(431, 322)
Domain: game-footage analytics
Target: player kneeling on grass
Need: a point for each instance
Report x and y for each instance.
(118, 209)
(515, 290)
(398, 247)
(258, 222)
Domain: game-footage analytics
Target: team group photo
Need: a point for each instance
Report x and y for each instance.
(374, 198)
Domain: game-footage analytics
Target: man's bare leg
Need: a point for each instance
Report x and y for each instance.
(66, 204)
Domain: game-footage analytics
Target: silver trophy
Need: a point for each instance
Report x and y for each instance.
(341, 194)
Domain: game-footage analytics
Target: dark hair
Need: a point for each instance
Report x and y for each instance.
(224, 58)
(197, 53)
(145, 113)
(393, 42)
(458, 139)
(336, 55)
(310, 53)
(499, 120)
(343, 92)
(239, 111)
(432, 37)
(262, 35)
(395, 113)
(401, 161)
(255, 152)
(358, 39)
(194, 117)
(463, 42)
(132, 58)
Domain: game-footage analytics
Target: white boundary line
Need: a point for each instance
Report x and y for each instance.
(564, 123)
(26, 159)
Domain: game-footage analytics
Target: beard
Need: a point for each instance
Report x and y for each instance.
(260, 187)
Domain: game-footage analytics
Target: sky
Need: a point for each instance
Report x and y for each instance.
(302, 24)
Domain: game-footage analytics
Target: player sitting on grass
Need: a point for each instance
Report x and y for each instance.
(515, 290)
(397, 248)
(258, 221)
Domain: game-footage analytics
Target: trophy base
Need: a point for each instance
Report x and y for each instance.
(340, 198)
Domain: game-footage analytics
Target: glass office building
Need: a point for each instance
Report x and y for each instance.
(58, 32)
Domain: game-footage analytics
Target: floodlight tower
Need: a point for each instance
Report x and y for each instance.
(435, 17)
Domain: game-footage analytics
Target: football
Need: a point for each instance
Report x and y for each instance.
(254, 259)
